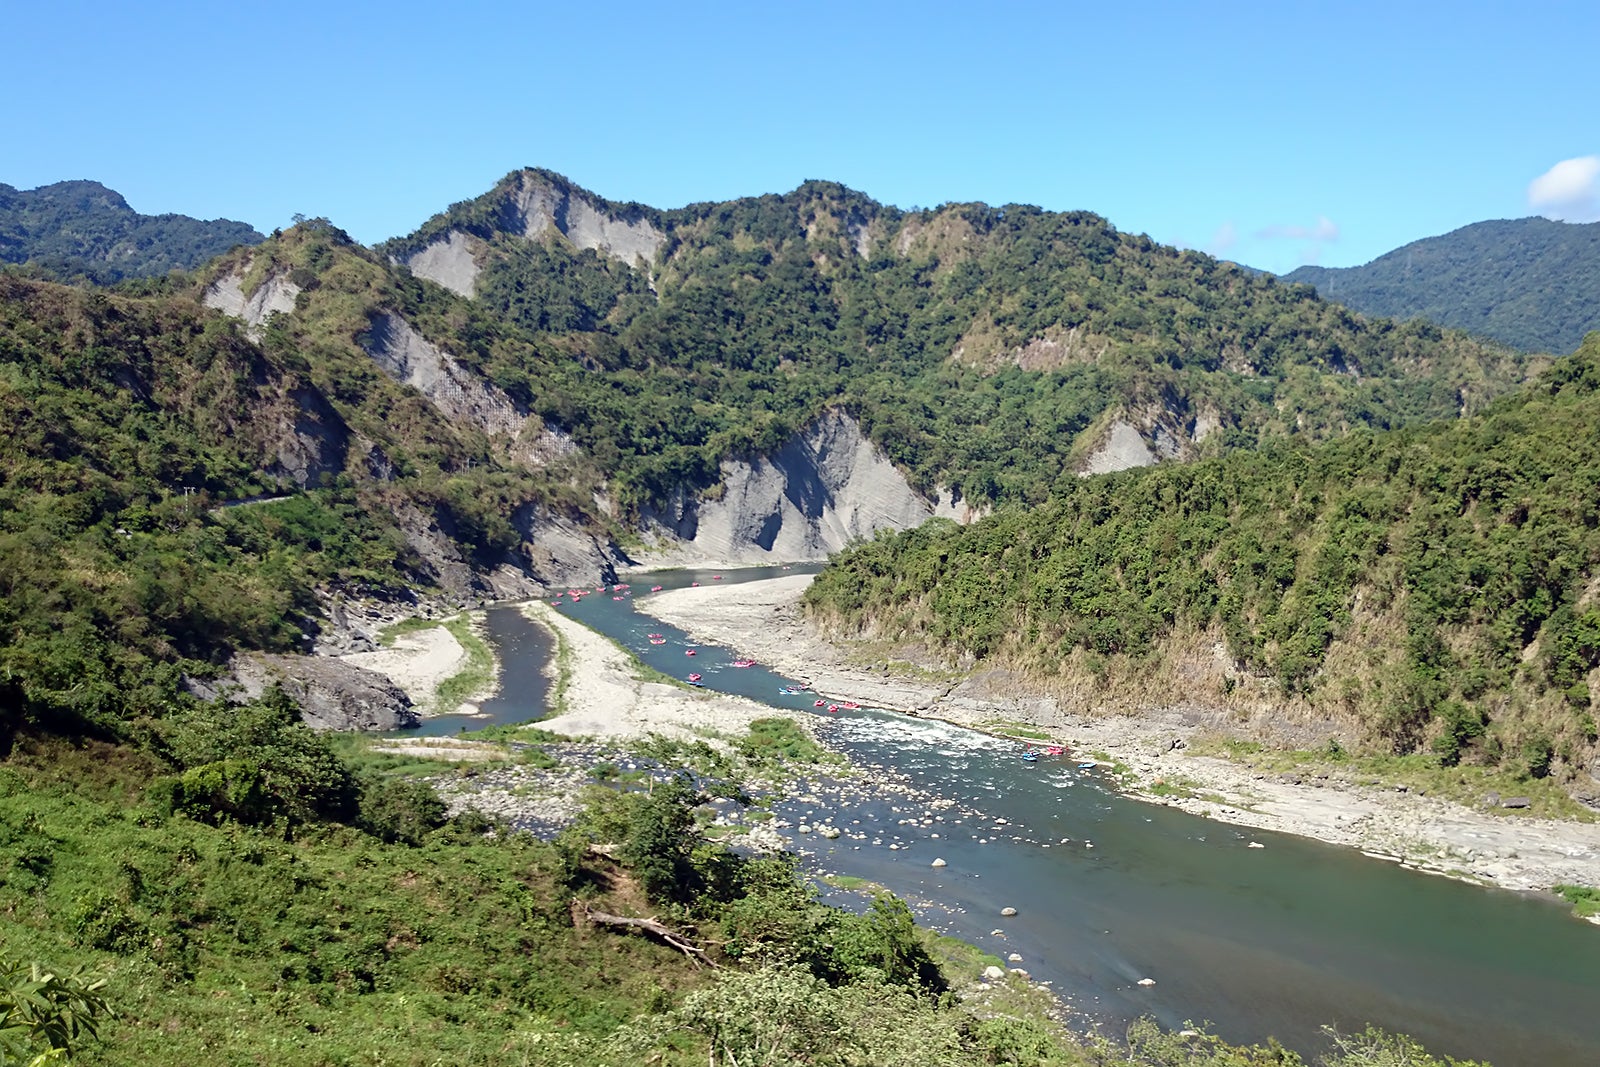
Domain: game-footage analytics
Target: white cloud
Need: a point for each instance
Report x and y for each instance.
(1225, 238)
(1569, 190)
(1324, 230)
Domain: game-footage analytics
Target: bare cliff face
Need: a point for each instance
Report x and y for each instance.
(536, 205)
(451, 261)
(460, 394)
(274, 295)
(1149, 435)
(823, 489)
(533, 207)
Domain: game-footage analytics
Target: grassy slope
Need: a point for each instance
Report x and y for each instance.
(320, 944)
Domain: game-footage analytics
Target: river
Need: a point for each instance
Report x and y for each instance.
(1274, 940)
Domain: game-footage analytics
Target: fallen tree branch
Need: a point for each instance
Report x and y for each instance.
(649, 926)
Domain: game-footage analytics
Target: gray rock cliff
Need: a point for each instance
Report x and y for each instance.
(332, 694)
(826, 487)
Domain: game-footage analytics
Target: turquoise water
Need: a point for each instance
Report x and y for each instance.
(1273, 941)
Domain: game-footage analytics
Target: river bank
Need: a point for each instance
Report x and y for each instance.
(1152, 750)
(603, 692)
(433, 665)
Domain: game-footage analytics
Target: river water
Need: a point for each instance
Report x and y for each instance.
(1277, 940)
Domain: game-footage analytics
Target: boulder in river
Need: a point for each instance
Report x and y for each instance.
(937, 863)
(1007, 912)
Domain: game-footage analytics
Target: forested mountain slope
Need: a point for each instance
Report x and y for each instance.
(1533, 283)
(1435, 586)
(611, 364)
(81, 229)
(992, 351)
(132, 424)
(202, 465)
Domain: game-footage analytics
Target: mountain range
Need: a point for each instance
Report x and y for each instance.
(1036, 452)
(81, 229)
(540, 383)
(1532, 283)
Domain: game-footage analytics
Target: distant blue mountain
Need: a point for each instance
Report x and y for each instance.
(82, 230)
(1530, 283)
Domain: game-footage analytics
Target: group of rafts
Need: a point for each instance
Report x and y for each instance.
(619, 592)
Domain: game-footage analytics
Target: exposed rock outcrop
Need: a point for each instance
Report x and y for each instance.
(333, 695)
(557, 552)
(952, 505)
(275, 294)
(1122, 448)
(535, 205)
(450, 261)
(313, 440)
(460, 394)
(408, 357)
(1152, 433)
(826, 487)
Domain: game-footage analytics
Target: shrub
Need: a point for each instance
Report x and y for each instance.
(230, 788)
(399, 810)
(299, 774)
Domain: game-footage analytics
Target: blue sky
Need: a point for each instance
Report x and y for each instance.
(1272, 133)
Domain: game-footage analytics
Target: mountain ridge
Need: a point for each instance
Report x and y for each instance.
(1090, 299)
(1532, 283)
(83, 229)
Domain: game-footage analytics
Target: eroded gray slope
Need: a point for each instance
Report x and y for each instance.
(826, 487)
(530, 209)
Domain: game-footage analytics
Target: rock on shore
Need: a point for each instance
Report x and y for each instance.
(332, 694)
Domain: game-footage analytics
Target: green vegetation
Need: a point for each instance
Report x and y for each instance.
(1529, 283)
(766, 311)
(369, 755)
(45, 1017)
(134, 417)
(475, 674)
(1012, 728)
(847, 881)
(83, 231)
(774, 749)
(1420, 772)
(396, 630)
(128, 420)
(1432, 582)
(779, 741)
(312, 910)
(250, 891)
(1585, 900)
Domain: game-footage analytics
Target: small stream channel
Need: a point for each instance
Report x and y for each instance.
(1276, 940)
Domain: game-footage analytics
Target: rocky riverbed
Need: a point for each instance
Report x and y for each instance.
(763, 620)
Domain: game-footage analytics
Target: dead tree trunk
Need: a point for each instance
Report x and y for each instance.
(649, 926)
